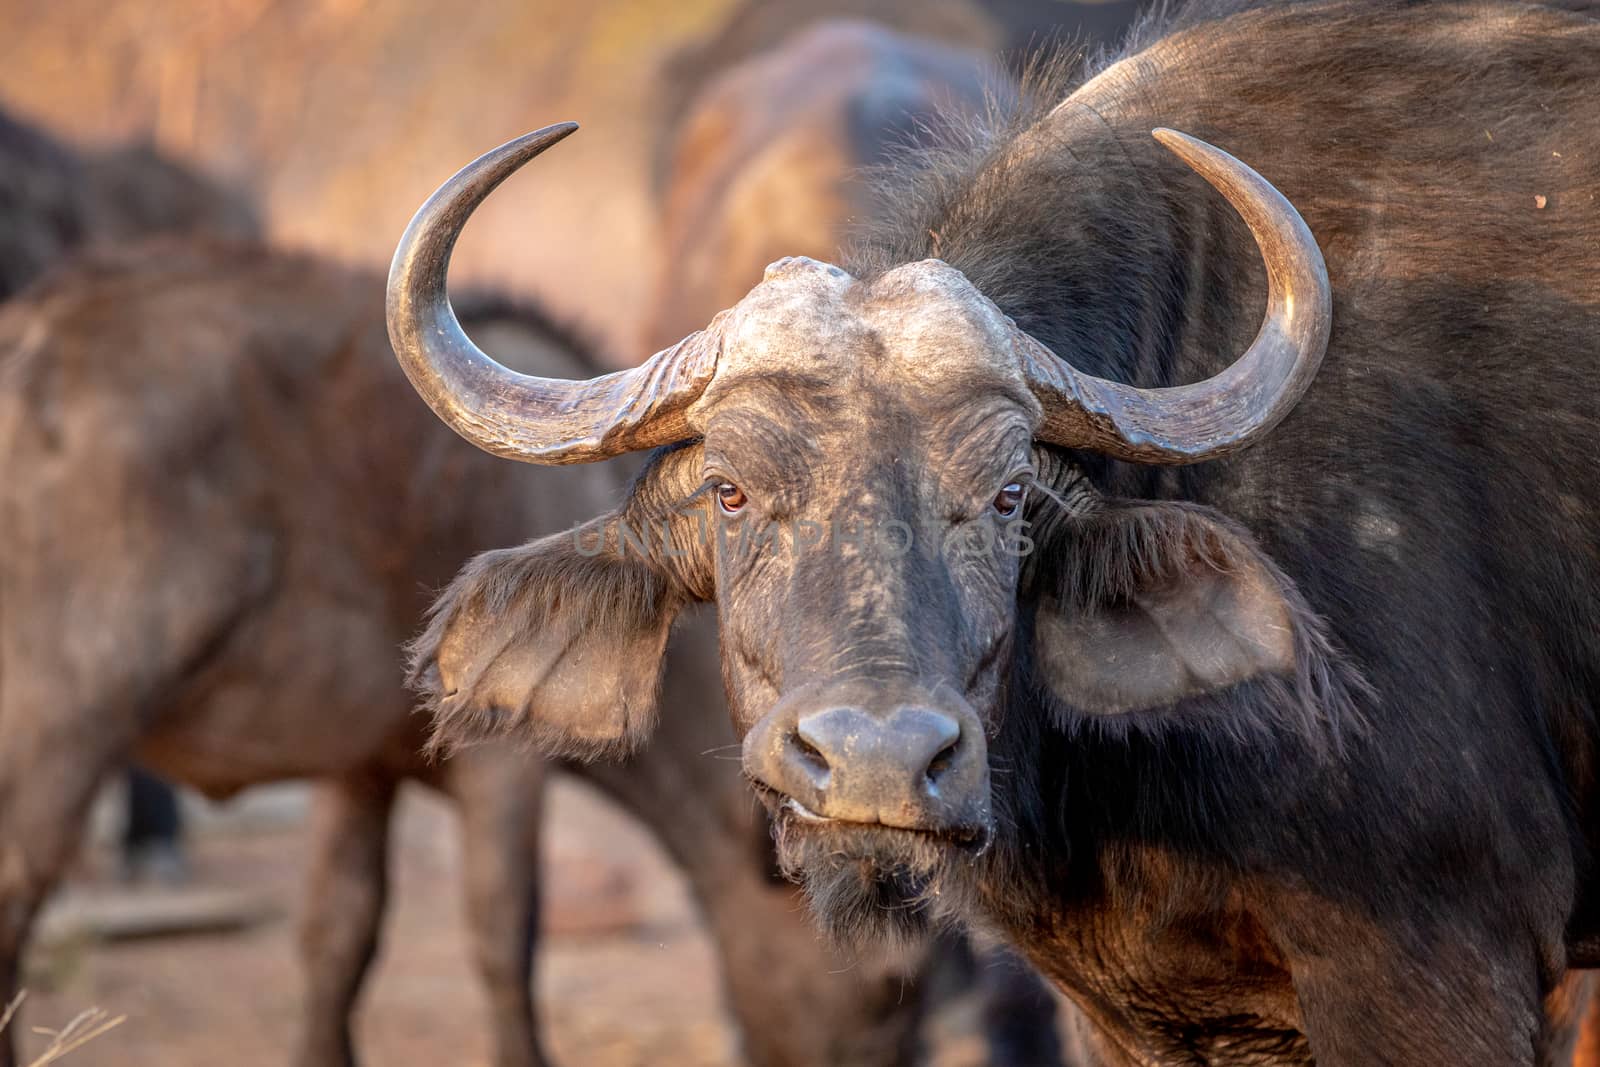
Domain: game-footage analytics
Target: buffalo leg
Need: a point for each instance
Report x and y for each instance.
(51, 762)
(40, 825)
(152, 838)
(343, 911)
(499, 794)
(1019, 1013)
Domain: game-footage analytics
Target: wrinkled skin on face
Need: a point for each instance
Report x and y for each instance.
(854, 576)
(858, 510)
(855, 553)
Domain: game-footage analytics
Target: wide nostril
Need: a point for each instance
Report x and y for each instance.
(942, 760)
(812, 759)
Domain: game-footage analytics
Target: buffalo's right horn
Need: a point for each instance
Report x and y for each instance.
(519, 416)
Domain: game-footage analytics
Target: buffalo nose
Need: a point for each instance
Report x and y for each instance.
(910, 743)
(914, 768)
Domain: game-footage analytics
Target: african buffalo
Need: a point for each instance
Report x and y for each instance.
(1206, 605)
(201, 566)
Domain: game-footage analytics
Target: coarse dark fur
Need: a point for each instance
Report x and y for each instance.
(1411, 499)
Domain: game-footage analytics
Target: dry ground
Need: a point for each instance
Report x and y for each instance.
(638, 988)
(626, 977)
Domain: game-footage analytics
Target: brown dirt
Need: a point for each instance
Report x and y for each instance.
(626, 975)
(639, 988)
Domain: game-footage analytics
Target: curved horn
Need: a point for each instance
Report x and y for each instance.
(1224, 413)
(519, 416)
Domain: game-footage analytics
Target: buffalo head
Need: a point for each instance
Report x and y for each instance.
(847, 468)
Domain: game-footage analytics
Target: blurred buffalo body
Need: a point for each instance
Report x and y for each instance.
(223, 513)
(199, 572)
(54, 199)
(1012, 30)
(774, 157)
(40, 215)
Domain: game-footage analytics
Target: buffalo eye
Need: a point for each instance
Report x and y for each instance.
(730, 498)
(1008, 501)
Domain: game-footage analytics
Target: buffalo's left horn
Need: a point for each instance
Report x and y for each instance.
(519, 416)
(1189, 423)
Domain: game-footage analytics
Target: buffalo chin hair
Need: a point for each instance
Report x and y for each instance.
(866, 885)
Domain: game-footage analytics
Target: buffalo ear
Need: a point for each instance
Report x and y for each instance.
(1154, 603)
(558, 642)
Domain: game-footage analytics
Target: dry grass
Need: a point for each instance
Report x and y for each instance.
(81, 1029)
